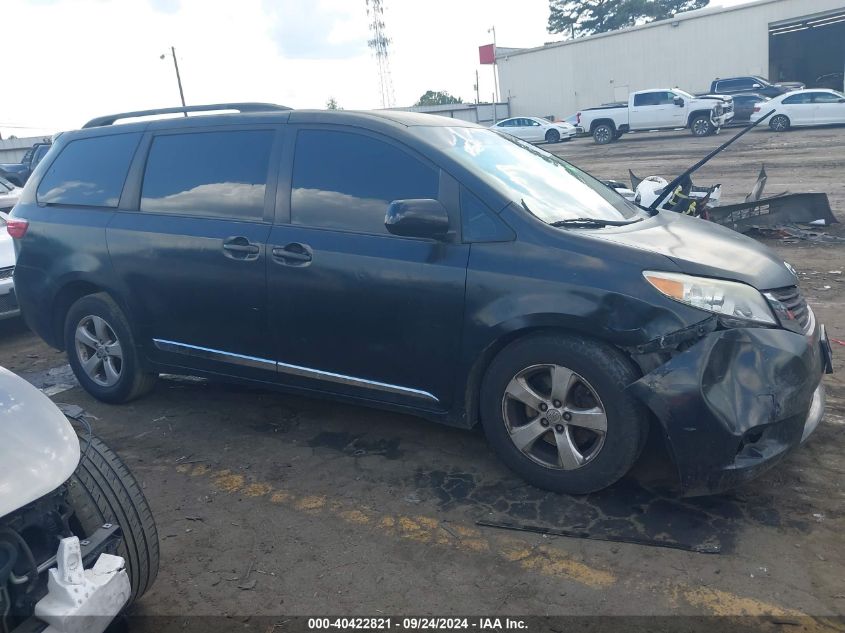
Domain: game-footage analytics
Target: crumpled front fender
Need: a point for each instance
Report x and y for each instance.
(733, 402)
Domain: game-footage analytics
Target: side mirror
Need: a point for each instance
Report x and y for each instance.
(755, 86)
(679, 101)
(424, 218)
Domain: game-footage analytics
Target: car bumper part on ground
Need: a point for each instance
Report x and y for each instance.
(83, 600)
(736, 402)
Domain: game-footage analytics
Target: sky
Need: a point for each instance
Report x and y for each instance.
(72, 60)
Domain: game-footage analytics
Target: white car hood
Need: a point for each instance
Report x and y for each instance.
(39, 449)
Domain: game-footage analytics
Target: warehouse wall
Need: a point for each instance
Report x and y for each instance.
(688, 52)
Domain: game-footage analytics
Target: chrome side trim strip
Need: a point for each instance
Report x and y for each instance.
(286, 368)
(214, 354)
(341, 379)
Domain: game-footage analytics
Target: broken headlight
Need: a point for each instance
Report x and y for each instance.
(726, 298)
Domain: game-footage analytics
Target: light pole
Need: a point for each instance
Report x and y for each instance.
(178, 77)
(492, 30)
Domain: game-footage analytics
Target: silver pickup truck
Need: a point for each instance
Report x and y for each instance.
(657, 109)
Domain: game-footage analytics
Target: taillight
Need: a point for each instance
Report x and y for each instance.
(16, 228)
(578, 119)
(756, 108)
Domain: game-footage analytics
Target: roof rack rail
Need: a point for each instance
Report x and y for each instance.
(110, 119)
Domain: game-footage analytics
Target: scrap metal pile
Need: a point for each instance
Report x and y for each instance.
(780, 212)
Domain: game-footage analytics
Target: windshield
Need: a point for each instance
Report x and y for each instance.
(550, 188)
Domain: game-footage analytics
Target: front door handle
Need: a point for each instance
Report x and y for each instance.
(293, 254)
(240, 248)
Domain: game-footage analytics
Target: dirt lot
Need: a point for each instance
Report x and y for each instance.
(270, 504)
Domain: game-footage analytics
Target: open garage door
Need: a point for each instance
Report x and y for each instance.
(810, 49)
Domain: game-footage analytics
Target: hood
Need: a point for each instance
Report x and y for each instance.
(9, 199)
(39, 449)
(699, 247)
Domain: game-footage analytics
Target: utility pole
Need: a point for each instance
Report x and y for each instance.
(178, 76)
(492, 30)
(477, 91)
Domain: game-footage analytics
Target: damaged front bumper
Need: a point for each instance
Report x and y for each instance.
(733, 404)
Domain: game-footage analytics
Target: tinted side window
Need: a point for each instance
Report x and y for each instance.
(346, 181)
(89, 171)
(212, 174)
(40, 153)
(643, 99)
(804, 97)
(825, 97)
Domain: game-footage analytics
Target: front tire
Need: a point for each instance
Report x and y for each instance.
(102, 352)
(552, 136)
(102, 490)
(780, 123)
(702, 126)
(555, 410)
(603, 134)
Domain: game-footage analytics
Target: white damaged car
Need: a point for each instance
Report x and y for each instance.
(78, 543)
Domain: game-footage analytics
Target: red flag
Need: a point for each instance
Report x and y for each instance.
(487, 54)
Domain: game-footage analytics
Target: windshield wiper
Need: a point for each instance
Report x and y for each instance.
(593, 222)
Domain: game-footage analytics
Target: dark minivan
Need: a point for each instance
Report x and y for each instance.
(421, 264)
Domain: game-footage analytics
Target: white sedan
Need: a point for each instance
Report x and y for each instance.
(802, 107)
(536, 130)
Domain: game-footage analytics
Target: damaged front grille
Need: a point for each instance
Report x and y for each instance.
(790, 307)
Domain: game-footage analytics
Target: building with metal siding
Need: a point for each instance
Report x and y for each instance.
(785, 40)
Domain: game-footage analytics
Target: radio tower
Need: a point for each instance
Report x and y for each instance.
(380, 43)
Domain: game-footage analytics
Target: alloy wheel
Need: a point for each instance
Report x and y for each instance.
(701, 127)
(554, 417)
(602, 134)
(99, 351)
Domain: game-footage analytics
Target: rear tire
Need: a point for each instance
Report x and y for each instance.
(543, 455)
(604, 133)
(552, 136)
(102, 351)
(102, 490)
(780, 123)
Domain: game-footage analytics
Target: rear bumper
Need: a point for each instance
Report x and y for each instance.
(35, 307)
(735, 403)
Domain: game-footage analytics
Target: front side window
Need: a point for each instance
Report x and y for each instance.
(89, 171)
(346, 181)
(548, 187)
(211, 174)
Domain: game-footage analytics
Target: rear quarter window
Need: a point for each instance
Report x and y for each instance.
(89, 171)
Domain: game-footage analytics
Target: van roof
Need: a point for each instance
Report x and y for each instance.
(222, 113)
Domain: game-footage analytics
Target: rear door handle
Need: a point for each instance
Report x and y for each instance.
(240, 248)
(293, 254)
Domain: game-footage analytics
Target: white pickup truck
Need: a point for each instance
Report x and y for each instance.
(657, 109)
